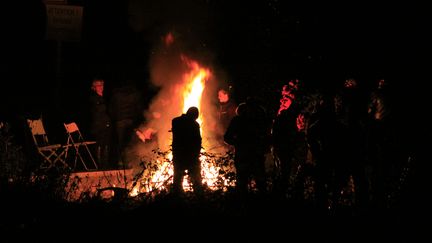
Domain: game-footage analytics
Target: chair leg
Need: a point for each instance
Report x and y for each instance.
(91, 157)
(60, 159)
(53, 158)
(79, 156)
(47, 162)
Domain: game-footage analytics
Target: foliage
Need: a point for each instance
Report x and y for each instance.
(15, 172)
(156, 173)
(12, 159)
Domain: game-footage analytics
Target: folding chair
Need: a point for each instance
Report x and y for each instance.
(79, 145)
(51, 153)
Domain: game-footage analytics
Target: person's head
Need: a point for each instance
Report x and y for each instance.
(382, 83)
(288, 93)
(98, 86)
(223, 96)
(350, 83)
(192, 112)
(241, 109)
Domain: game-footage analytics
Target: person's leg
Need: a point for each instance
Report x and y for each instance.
(124, 134)
(242, 179)
(196, 179)
(260, 174)
(178, 179)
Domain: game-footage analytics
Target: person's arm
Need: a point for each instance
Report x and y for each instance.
(230, 135)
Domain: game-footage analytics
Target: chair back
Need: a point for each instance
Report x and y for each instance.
(71, 127)
(73, 132)
(39, 135)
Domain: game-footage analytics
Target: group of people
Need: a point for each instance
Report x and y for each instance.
(342, 135)
(245, 127)
(347, 135)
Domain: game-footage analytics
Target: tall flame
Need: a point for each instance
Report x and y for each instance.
(195, 83)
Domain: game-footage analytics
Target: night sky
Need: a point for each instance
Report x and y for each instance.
(257, 44)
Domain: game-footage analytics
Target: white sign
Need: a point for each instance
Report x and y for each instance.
(64, 22)
(55, 1)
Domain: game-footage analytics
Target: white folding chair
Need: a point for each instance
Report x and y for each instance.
(51, 153)
(76, 141)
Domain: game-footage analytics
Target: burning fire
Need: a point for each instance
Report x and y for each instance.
(195, 83)
(189, 92)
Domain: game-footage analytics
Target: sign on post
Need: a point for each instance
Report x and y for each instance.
(64, 22)
(55, 1)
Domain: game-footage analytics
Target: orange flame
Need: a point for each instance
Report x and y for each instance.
(191, 90)
(195, 84)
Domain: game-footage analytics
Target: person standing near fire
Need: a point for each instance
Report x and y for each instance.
(100, 123)
(125, 108)
(186, 147)
(249, 133)
(286, 134)
(226, 111)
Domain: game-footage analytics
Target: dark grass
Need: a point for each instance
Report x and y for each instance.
(28, 213)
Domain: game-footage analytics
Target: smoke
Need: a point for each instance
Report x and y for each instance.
(170, 66)
(177, 32)
(166, 73)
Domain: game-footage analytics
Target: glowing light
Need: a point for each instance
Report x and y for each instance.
(194, 85)
(191, 91)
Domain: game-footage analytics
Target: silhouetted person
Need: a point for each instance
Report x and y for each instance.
(249, 133)
(126, 111)
(351, 113)
(385, 152)
(285, 134)
(100, 123)
(186, 147)
(326, 140)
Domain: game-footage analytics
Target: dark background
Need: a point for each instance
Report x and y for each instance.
(258, 44)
